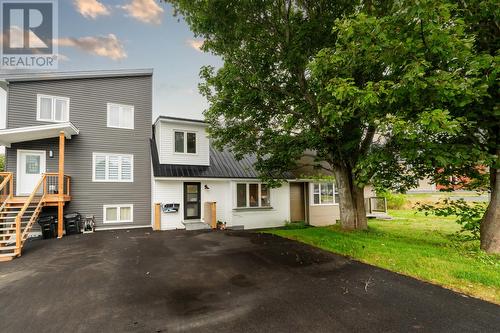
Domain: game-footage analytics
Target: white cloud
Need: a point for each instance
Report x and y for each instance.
(147, 11)
(105, 46)
(195, 44)
(91, 8)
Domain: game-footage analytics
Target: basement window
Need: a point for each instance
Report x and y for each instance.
(118, 213)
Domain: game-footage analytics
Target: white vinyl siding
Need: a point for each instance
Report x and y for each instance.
(112, 168)
(52, 108)
(120, 116)
(118, 213)
(324, 194)
(252, 195)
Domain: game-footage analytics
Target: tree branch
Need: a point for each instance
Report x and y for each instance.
(422, 34)
(368, 140)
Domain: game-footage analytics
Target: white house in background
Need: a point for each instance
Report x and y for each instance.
(189, 173)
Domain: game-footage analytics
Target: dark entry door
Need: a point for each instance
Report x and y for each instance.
(192, 201)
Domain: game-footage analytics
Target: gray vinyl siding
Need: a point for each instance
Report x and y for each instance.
(88, 112)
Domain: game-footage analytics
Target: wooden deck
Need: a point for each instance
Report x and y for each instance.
(48, 199)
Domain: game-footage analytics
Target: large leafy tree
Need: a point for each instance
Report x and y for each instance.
(340, 78)
(474, 150)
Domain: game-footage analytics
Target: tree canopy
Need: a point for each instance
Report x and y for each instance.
(374, 88)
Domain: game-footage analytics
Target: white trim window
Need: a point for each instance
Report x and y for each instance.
(52, 108)
(324, 194)
(118, 213)
(252, 195)
(185, 142)
(120, 116)
(112, 167)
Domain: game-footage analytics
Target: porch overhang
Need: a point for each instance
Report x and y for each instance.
(30, 133)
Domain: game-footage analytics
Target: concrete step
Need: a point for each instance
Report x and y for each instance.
(196, 225)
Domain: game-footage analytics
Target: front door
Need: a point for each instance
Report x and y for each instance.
(192, 201)
(30, 167)
(297, 202)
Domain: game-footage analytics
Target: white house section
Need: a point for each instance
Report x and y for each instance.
(166, 133)
(223, 192)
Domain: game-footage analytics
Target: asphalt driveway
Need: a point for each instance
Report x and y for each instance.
(140, 281)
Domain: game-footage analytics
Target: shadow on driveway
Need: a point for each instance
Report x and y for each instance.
(140, 281)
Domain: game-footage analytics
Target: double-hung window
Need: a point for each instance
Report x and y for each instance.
(120, 116)
(113, 168)
(325, 194)
(52, 108)
(252, 195)
(118, 213)
(184, 142)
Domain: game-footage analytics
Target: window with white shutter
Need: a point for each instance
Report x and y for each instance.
(113, 167)
(120, 116)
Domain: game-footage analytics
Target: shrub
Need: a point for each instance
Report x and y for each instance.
(468, 215)
(295, 225)
(394, 200)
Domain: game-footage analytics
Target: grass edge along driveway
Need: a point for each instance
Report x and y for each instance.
(412, 244)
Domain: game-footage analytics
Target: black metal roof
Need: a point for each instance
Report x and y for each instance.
(223, 164)
(199, 121)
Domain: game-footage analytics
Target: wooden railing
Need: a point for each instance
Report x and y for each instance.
(20, 234)
(6, 187)
(376, 205)
(47, 185)
(51, 184)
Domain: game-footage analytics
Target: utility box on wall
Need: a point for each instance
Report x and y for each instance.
(170, 207)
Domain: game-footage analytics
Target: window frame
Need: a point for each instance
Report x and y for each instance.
(120, 106)
(106, 170)
(118, 213)
(53, 99)
(259, 198)
(185, 134)
(335, 192)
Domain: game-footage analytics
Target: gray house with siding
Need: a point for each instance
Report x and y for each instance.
(101, 120)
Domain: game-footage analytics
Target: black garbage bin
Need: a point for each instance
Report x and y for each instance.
(48, 224)
(72, 223)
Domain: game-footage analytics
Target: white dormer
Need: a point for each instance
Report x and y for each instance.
(182, 141)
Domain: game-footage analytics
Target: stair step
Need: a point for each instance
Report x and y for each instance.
(8, 248)
(12, 223)
(16, 211)
(13, 217)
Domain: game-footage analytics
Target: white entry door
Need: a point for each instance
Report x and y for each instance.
(30, 167)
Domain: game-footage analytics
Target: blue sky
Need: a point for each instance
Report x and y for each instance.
(112, 34)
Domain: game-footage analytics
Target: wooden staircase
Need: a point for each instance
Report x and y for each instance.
(19, 214)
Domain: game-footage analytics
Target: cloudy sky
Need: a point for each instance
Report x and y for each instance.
(112, 34)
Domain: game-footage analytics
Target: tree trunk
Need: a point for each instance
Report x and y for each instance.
(352, 201)
(490, 226)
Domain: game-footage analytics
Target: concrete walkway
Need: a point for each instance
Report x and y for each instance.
(139, 281)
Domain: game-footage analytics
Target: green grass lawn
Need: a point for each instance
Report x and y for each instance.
(423, 247)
